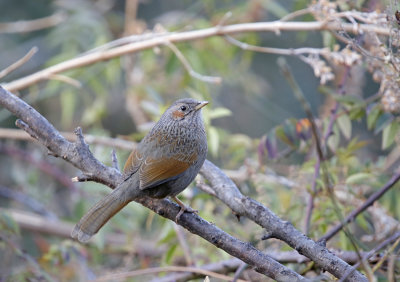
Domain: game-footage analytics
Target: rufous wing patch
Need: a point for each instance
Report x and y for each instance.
(133, 162)
(154, 172)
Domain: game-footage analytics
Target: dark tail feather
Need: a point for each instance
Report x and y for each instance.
(99, 214)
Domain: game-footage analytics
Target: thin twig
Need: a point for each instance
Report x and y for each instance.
(278, 51)
(27, 201)
(17, 134)
(184, 245)
(296, 14)
(32, 266)
(239, 271)
(43, 165)
(388, 241)
(311, 196)
(124, 275)
(19, 63)
(114, 159)
(189, 69)
(68, 80)
(387, 254)
(40, 224)
(33, 25)
(225, 18)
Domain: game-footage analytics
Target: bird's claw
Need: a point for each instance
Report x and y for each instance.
(185, 209)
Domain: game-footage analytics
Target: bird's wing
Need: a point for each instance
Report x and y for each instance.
(155, 172)
(133, 162)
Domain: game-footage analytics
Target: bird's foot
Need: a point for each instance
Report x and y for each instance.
(183, 209)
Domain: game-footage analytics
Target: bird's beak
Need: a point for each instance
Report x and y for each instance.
(200, 105)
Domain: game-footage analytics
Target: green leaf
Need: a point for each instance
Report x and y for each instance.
(68, 105)
(383, 121)
(8, 224)
(355, 145)
(328, 39)
(344, 123)
(389, 134)
(363, 222)
(334, 139)
(357, 113)
(373, 116)
(276, 9)
(219, 112)
(348, 99)
(169, 254)
(213, 140)
(282, 133)
(358, 178)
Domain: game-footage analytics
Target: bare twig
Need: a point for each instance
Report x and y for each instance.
(239, 271)
(296, 14)
(43, 165)
(114, 159)
(225, 266)
(161, 38)
(33, 25)
(387, 254)
(17, 134)
(32, 266)
(184, 245)
(311, 196)
(189, 69)
(19, 63)
(365, 257)
(277, 51)
(40, 224)
(68, 80)
(225, 18)
(27, 201)
(124, 275)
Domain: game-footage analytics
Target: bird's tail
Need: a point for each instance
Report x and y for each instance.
(100, 213)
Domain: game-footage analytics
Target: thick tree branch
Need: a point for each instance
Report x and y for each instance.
(78, 154)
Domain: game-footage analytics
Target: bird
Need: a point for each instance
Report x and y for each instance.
(162, 165)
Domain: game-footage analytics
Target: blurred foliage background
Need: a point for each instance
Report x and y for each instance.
(257, 131)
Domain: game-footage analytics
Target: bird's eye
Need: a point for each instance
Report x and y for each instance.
(183, 108)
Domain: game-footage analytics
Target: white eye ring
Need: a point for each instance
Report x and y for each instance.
(183, 108)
